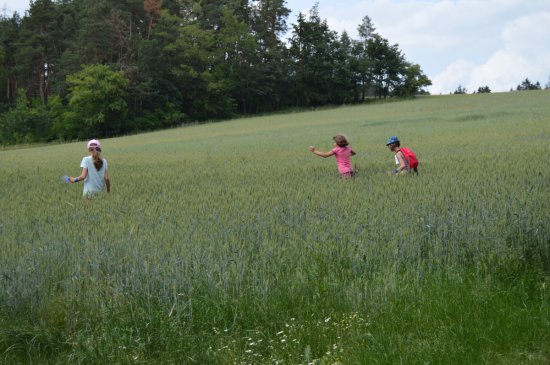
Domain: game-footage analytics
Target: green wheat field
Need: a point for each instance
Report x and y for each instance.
(230, 243)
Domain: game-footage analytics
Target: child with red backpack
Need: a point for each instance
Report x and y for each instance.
(404, 157)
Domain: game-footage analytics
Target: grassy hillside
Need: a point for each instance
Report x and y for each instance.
(230, 243)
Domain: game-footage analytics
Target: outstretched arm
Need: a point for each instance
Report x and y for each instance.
(353, 152)
(319, 153)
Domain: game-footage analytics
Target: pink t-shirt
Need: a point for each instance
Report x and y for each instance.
(342, 159)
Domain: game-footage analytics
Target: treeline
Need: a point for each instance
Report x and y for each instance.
(72, 69)
(524, 86)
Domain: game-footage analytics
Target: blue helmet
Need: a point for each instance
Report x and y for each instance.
(392, 139)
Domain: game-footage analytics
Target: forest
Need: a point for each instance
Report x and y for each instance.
(76, 69)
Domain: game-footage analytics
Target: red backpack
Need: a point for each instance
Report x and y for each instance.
(410, 156)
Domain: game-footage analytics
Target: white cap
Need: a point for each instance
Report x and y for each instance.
(94, 143)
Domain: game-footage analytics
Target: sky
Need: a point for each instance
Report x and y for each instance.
(471, 43)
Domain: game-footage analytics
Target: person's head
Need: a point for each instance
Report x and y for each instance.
(393, 142)
(94, 148)
(341, 140)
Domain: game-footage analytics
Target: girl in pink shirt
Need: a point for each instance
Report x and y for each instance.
(342, 151)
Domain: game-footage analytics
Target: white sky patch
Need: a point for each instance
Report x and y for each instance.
(7, 7)
(496, 73)
(523, 56)
(452, 77)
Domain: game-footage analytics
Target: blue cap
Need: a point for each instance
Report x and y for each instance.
(392, 139)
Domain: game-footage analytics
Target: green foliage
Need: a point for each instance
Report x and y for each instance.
(151, 88)
(3, 78)
(25, 123)
(230, 243)
(267, 86)
(167, 116)
(343, 88)
(9, 33)
(413, 81)
(386, 65)
(311, 48)
(96, 103)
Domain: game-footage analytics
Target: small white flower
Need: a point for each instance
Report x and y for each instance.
(327, 319)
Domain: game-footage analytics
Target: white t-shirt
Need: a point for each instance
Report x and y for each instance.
(95, 181)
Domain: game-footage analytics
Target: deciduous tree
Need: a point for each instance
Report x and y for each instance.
(96, 102)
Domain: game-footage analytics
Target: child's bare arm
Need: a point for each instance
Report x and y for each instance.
(353, 153)
(107, 181)
(81, 177)
(320, 153)
(401, 160)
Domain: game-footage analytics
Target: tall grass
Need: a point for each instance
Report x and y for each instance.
(230, 243)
